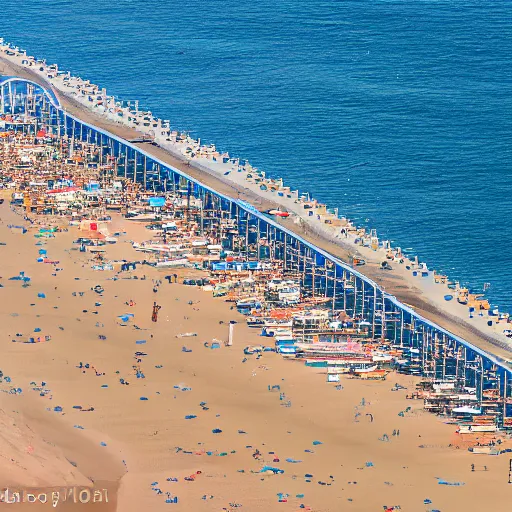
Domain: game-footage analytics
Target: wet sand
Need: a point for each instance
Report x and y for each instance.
(151, 436)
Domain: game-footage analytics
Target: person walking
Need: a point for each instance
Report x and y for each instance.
(156, 309)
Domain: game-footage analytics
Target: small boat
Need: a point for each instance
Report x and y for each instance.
(179, 262)
(248, 304)
(275, 330)
(253, 349)
(283, 334)
(278, 213)
(487, 450)
(382, 358)
(470, 429)
(365, 370)
(286, 349)
(140, 217)
(278, 323)
(254, 321)
(373, 375)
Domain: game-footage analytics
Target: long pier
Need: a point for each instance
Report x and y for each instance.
(433, 351)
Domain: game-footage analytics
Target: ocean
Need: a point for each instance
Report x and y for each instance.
(399, 113)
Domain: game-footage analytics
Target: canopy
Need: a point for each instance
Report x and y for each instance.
(157, 202)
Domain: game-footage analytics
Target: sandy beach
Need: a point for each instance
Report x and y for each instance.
(143, 445)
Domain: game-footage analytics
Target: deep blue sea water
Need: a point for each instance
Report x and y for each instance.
(397, 112)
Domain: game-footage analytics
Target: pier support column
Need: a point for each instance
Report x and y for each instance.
(326, 279)
(354, 309)
(11, 98)
(313, 277)
(258, 247)
(100, 158)
(145, 172)
(464, 380)
(247, 215)
(118, 158)
(201, 211)
(482, 378)
(334, 283)
(374, 308)
(362, 299)
(383, 329)
(304, 265)
(504, 393)
(285, 250)
(443, 348)
(189, 193)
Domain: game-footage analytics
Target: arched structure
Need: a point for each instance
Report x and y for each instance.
(19, 95)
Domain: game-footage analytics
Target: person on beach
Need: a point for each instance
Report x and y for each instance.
(156, 309)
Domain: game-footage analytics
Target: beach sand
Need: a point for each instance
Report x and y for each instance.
(145, 441)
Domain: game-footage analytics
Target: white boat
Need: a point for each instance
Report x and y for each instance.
(470, 429)
(366, 369)
(199, 243)
(179, 262)
(286, 349)
(487, 450)
(248, 302)
(277, 331)
(271, 322)
(383, 358)
(142, 217)
(283, 334)
(253, 321)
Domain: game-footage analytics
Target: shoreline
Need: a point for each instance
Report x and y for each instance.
(419, 293)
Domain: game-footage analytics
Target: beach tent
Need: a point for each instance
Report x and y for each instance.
(92, 187)
(17, 229)
(125, 318)
(92, 225)
(157, 202)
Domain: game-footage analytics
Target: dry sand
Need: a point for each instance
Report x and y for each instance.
(142, 437)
